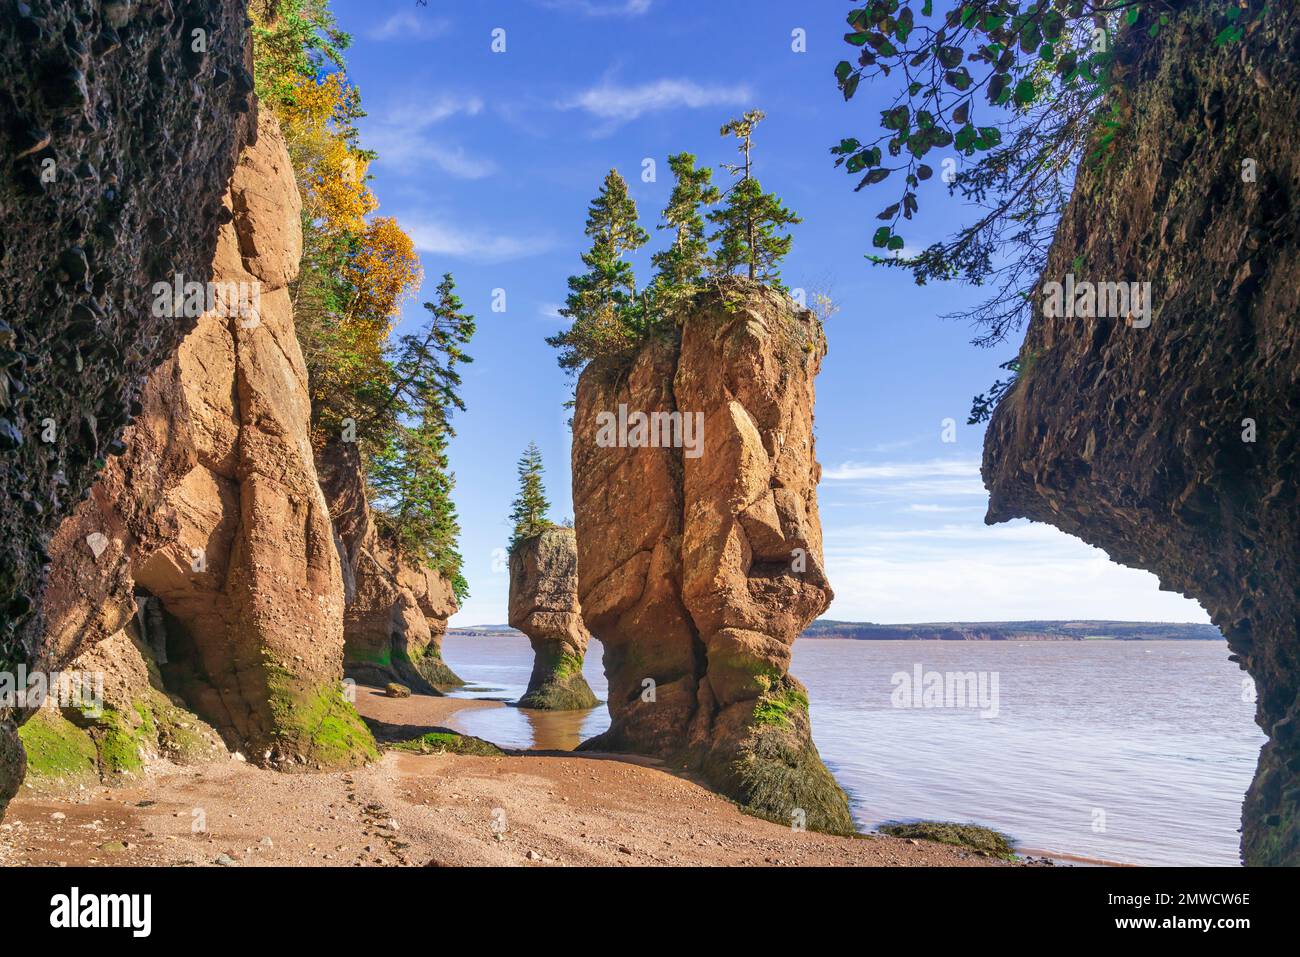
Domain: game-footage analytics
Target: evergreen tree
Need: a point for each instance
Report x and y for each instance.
(602, 304)
(749, 219)
(415, 511)
(410, 481)
(683, 263)
(530, 505)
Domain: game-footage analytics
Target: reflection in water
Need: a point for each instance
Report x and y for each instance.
(498, 670)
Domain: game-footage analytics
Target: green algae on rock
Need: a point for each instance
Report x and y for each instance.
(980, 839)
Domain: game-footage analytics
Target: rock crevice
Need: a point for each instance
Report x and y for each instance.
(396, 611)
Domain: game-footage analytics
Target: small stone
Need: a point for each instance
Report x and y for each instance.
(225, 860)
(97, 541)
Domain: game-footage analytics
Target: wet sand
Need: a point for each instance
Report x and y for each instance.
(409, 809)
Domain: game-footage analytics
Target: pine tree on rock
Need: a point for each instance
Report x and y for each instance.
(682, 265)
(749, 219)
(530, 505)
(602, 306)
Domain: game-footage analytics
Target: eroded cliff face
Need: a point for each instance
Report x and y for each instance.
(212, 520)
(699, 564)
(116, 147)
(396, 611)
(1137, 440)
(544, 606)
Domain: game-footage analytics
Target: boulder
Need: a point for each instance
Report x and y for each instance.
(544, 606)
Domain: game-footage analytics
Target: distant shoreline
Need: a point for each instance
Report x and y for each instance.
(1036, 630)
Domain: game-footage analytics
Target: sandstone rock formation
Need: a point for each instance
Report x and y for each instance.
(214, 514)
(1136, 439)
(544, 606)
(117, 145)
(698, 567)
(396, 611)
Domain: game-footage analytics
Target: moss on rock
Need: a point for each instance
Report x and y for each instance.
(316, 725)
(430, 666)
(448, 742)
(557, 684)
(775, 771)
(980, 839)
(57, 749)
(781, 777)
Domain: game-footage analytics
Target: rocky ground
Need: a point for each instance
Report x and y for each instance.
(529, 809)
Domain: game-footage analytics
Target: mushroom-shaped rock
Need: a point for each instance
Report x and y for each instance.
(544, 606)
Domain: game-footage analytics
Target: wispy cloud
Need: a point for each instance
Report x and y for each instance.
(933, 468)
(409, 25)
(443, 239)
(402, 136)
(618, 103)
(593, 8)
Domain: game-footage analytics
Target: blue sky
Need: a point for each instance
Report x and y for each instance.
(490, 159)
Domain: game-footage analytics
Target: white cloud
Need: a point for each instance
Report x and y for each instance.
(402, 137)
(614, 102)
(551, 310)
(441, 239)
(997, 580)
(933, 468)
(921, 552)
(408, 25)
(932, 478)
(592, 8)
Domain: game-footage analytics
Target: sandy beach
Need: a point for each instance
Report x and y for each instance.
(530, 809)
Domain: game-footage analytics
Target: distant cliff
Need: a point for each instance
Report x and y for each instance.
(1012, 631)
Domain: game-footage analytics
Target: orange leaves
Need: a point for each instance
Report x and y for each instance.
(384, 271)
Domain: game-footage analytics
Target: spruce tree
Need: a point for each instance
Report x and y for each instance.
(684, 262)
(409, 477)
(749, 219)
(602, 305)
(530, 505)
